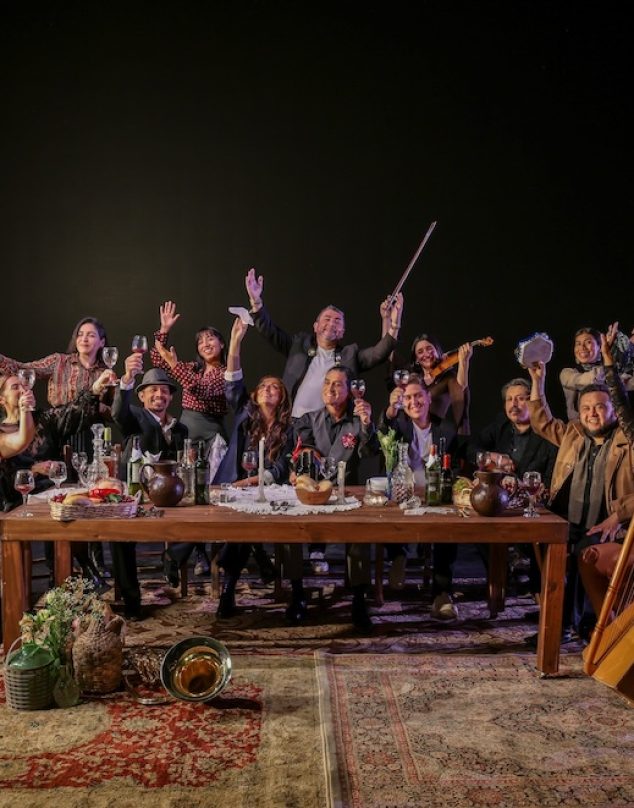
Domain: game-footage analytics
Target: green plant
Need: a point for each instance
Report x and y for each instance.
(389, 445)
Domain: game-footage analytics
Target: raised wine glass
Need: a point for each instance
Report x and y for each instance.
(139, 344)
(27, 380)
(532, 483)
(24, 483)
(401, 378)
(249, 461)
(110, 355)
(357, 388)
(57, 473)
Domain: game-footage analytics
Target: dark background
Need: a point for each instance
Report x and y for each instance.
(155, 150)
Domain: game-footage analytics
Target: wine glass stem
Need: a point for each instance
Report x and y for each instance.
(25, 501)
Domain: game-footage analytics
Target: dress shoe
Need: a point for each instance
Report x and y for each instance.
(296, 612)
(566, 637)
(170, 569)
(443, 607)
(201, 567)
(360, 616)
(226, 605)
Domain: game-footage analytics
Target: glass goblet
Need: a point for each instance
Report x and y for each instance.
(110, 354)
(139, 344)
(57, 473)
(531, 483)
(357, 388)
(24, 483)
(328, 467)
(27, 380)
(249, 461)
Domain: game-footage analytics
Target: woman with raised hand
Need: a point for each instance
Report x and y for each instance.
(263, 413)
(588, 367)
(203, 387)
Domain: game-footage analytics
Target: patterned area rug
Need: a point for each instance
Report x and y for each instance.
(257, 745)
(468, 732)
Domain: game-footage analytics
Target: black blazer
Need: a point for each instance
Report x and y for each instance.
(133, 420)
(405, 430)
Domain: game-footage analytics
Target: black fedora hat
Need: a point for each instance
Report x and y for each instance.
(156, 376)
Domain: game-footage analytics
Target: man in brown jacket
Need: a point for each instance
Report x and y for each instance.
(592, 482)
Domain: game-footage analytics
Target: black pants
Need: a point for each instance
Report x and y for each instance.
(125, 572)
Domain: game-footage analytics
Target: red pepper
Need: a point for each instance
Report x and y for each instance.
(103, 492)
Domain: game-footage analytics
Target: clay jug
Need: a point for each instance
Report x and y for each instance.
(164, 487)
(488, 497)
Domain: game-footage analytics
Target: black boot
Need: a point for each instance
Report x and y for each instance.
(268, 573)
(227, 603)
(360, 616)
(297, 612)
(170, 569)
(91, 573)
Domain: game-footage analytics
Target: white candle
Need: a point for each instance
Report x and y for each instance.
(261, 459)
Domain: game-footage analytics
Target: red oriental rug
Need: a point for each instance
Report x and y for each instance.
(257, 745)
(452, 730)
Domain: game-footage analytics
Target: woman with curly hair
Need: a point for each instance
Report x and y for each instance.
(263, 413)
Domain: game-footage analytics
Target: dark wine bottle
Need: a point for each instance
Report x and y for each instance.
(201, 469)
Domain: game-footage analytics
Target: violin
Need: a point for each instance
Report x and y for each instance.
(450, 359)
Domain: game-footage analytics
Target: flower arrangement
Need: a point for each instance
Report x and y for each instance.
(389, 446)
(349, 440)
(51, 627)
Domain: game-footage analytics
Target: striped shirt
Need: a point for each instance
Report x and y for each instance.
(66, 375)
(203, 390)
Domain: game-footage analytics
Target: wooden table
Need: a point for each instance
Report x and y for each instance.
(365, 524)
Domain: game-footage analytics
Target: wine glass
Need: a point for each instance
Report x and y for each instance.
(328, 467)
(249, 461)
(139, 344)
(57, 473)
(357, 388)
(79, 461)
(532, 483)
(401, 379)
(27, 379)
(110, 354)
(24, 483)
(482, 460)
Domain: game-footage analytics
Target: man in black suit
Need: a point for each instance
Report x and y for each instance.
(160, 434)
(514, 446)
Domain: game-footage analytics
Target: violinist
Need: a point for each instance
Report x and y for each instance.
(448, 386)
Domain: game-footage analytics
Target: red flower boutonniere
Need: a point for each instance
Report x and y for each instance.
(349, 440)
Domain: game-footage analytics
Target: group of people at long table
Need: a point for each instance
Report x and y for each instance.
(586, 463)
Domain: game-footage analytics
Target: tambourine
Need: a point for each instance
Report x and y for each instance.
(536, 348)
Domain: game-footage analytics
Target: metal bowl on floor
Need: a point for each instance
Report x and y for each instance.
(196, 669)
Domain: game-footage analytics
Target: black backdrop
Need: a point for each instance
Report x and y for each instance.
(155, 150)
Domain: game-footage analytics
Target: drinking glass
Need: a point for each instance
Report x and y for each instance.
(24, 483)
(110, 354)
(249, 461)
(357, 388)
(139, 344)
(531, 482)
(27, 379)
(79, 462)
(482, 460)
(401, 378)
(328, 467)
(57, 473)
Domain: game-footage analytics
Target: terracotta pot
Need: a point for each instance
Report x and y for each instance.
(164, 487)
(488, 497)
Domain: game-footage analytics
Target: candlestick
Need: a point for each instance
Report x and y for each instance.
(261, 497)
(341, 482)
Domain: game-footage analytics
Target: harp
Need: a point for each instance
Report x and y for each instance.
(610, 656)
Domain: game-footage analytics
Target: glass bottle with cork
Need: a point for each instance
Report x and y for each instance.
(134, 466)
(201, 476)
(446, 481)
(188, 473)
(432, 473)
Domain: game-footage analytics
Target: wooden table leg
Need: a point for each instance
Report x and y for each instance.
(497, 578)
(63, 565)
(13, 592)
(551, 608)
(378, 574)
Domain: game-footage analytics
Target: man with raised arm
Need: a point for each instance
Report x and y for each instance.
(592, 482)
(309, 356)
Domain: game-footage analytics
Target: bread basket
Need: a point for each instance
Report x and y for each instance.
(314, 495)
(103, 510)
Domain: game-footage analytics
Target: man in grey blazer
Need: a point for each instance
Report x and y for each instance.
(341, 429)
(310, 355)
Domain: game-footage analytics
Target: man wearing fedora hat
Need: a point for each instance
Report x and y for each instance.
(159, 433)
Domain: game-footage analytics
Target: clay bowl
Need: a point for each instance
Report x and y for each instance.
(308, 497)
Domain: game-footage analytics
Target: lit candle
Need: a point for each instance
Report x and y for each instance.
(261, 497)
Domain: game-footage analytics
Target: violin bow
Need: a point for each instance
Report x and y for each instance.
(410, 266)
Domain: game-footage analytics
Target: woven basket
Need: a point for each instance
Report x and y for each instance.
(30, 689)
(105, 510)
(98, 656)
